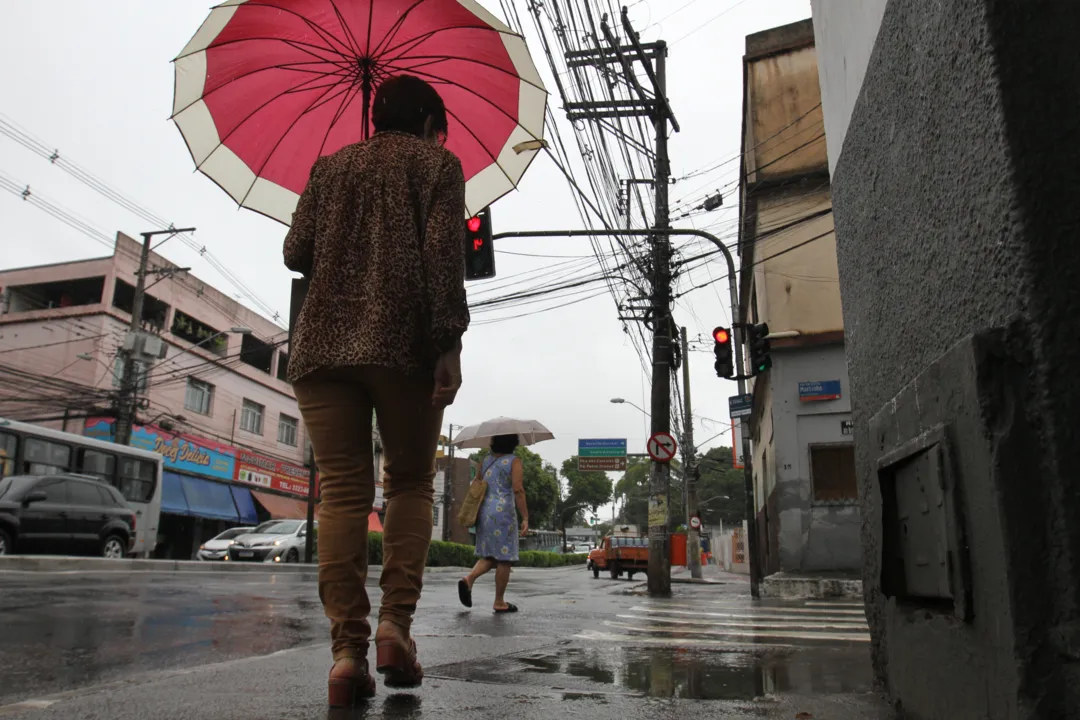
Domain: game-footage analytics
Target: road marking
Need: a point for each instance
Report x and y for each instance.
(766, 608)
(764, 625)
(846, 637)
(623, 639)
(749, 615)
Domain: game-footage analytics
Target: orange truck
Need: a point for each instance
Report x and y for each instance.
(618, 554)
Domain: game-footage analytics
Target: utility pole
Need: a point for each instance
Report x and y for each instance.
(690, 470)
(313, 473)
(129, 382)
(448, 484)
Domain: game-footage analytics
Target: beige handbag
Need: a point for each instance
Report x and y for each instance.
(470, 509)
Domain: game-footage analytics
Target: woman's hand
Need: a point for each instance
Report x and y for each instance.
(524, 527)
(447, 378)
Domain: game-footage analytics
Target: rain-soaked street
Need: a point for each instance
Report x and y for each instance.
(246, 645)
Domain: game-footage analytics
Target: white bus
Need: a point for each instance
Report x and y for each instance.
(32, 450)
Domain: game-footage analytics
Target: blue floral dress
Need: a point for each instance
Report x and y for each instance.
(497, 523)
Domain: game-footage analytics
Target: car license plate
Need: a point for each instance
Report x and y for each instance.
(246, 553)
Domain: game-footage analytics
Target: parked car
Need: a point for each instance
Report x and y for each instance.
(217, 548)
(273, 541)
(64, 515)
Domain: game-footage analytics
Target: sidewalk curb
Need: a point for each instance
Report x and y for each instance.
(55, 563)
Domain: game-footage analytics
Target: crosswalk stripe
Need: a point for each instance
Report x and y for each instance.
(785, 635)
(752, 615)
(774, 608)
(622, 639)
(785, 625)
(836, 604)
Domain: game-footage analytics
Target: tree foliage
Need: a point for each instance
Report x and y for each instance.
(541, 487)
(590, 489)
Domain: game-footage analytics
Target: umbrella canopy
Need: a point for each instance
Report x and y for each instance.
(266, 87)
(529, 432)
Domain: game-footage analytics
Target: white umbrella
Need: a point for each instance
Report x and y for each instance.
(529, 432)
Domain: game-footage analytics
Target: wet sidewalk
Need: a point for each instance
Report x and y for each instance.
(581, 647)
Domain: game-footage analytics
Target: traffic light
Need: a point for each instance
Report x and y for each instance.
(722, 350)
(479, 250)
(758, 340)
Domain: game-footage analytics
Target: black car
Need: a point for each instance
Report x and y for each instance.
(64, 515)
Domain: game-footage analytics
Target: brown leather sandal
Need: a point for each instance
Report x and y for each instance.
(349, 691)
(398, 665)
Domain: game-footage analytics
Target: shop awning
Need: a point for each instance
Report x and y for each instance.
(209, 499)
(172, 495)
(281, 508)
(245, 504)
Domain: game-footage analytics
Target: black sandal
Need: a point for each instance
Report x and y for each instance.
(510, 608)
(464, 593)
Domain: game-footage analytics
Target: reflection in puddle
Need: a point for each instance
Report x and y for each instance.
(680, 673)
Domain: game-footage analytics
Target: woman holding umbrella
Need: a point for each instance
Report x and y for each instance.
(504, 505)
(497, 522)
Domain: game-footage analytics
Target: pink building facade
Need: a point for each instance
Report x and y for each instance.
(214, 400)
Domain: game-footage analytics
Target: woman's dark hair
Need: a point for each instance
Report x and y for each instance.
(403, 103)
(504, 444)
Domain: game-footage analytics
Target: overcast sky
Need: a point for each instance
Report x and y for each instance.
(94, 80)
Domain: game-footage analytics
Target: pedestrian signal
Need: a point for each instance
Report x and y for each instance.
(479, 250)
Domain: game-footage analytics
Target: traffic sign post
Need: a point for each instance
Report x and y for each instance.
(695, 522)
(662, 447)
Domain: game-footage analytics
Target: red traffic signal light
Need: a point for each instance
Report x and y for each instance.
(722, 350)
(479, 251)
(721, 335)
(474, 224)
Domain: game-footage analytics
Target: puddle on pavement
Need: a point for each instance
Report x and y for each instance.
(673, 672)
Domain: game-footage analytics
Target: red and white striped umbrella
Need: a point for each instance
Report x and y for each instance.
(266, 87)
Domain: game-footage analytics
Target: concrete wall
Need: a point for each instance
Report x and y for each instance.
(955, 197)
(796, 280)
(812, 535)
(845, 33)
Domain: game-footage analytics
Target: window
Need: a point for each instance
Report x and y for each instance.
(199, 396)
(100, 465)
(46, 458)
(55, 491)
(832, 469)
(251, 417)
(84, 493)
(8, 446)
(283, 367)
(287, 430)
(137, 479)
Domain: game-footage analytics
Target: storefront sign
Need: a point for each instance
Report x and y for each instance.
(181, 453)
(253, 469)
(819, 390)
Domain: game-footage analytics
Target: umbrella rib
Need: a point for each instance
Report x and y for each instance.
(443, 58)
(318, 103)
(318, 30)
(347, 100)
(287, 66)
(354, 45)
(370, 20)
(431, 33)
(393, 31)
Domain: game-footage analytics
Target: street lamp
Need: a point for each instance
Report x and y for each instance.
(622, 401)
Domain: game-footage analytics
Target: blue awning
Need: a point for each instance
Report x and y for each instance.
(245, 504)
(209, 499)
(172, 495)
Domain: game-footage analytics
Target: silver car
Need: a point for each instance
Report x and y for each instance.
(274, 541)
(217, 549)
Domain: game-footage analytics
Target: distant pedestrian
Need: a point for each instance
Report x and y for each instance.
(497, 527)
(379, 232)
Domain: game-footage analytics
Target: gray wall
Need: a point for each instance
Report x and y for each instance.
(812, 536)
(956, 211)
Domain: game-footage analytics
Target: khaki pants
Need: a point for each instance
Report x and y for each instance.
(336, 406)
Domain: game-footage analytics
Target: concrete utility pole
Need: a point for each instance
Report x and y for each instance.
(448, 484)
(690, 469)
(313, 471)
(129, 382)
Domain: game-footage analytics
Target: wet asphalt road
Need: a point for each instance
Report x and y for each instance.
(169, 645)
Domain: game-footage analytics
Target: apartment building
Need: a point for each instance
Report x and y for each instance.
(213, 400)
(803, 457)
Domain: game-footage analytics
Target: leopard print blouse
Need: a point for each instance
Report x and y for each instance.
(380, 233)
